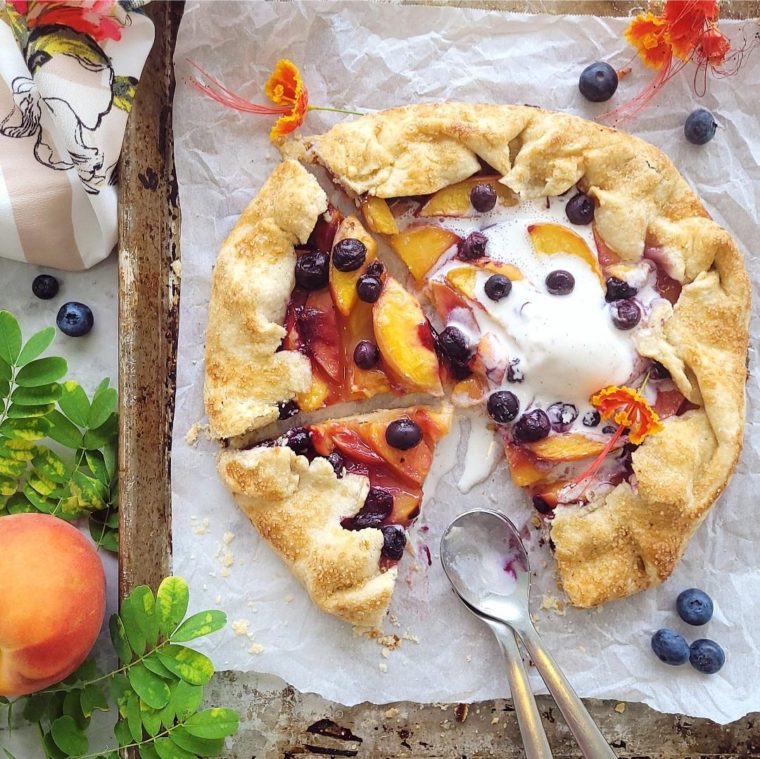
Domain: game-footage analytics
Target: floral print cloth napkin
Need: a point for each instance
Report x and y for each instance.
(68, 72)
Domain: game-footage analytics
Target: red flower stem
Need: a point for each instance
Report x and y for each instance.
(597, 462)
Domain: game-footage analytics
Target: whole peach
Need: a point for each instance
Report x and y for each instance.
(52, 601)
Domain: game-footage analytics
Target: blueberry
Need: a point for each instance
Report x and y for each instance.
(591, 419)
(403, 434)
(618, 289)
(498, 286)
(337, 462)
(366, 354)
(694, 606)
(562, 416)
(394, 541)
(312, 270)
(626, 314)
(287, 410)
(74, 319)
(483, 197)
(454, 344)
(658, 371)
(349, 254)
(503, 406)
(670, 647)
(580, 209)
(609, 429)
(375, 269)
(700, 127)
(45, 286)
(706, 656)
(299, 441)
(560, 282)
(514, 372)
(473, 246)
(598, 82)
(534, 425)
(368, 288)
(377, 506)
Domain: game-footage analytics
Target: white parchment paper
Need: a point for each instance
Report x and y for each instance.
(372, 56)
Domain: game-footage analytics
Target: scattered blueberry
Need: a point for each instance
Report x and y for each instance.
(45, 286)
(287, 410)
(299, 441)
(368, 288)
(337, 462)
(560, 282)
(580, 209)
(375, 269)
(706, 656)
(534, 425)
(403, 434)
(591, 419)
(377, 506)
(349, 254)
(670, 647)
(514, 372)
(498, 286)
(312, 270)
(454, 344)
(473, 246)
(541, 505)
(74, 319)
(598, 82)
(694, 606)
(626, 314)
(609, 429)
(700, 127)
(503, 406)
(394, 541)
(483, 197)
(618, 289)
(658, 371)
(562, 416)
(366, 354)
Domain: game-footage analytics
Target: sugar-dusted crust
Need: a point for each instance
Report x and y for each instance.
(252, 282)
(630, 539)
(297, 507)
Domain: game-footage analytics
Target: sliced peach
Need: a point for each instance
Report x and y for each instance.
(499, 267)
(420, 247)
(571, 446)
(318, 330)
(406, 508)
(490, 358)
(362, 382)
(378, 215)
(607, 256)
(403, 336)
(454, 200)
(434, 424)
(349, 442)
(343, 283)
(470, 391)
(463, 279)
(412, 464)
(315, 396)
(549, 239)
(445, 299)
(323, 234)
(523, 466)
(668, 402)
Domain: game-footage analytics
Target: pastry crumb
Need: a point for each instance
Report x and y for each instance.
(240, 627)
(552, 603)
(468, 658)
(218, 599)
(390, 713)
(202, 528)
(409, 636)
(289, 598)
(494, 720)
(192, 435)
(386, 652)
(177, 268)
(620, 708)
(383, 667)
(225, 572)
(228, 537)
(391, 642)
(255, 648)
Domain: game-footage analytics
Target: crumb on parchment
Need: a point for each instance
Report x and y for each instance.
(177, 268)
(228, 537)
(192, 435)
(255, 648)
(240, 626)
(552, 603)
(383, 667)
(202, 527)
(620, 708)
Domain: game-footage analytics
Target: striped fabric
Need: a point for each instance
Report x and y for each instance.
(68, 72)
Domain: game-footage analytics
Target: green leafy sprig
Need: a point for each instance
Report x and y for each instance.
(76, 477)
(157, 688)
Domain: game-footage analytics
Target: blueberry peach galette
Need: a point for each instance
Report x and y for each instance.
(564, 285)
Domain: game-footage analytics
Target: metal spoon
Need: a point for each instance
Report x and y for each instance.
(487, 564)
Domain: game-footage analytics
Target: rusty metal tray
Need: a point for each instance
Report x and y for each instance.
(277, 720)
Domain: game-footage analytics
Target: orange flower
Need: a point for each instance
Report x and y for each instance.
(285, 88)
(712, 46)
(685, 21)
(628, 409)
(647, 33)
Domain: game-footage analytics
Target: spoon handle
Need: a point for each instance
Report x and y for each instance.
(532, 731)
(588, 736)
